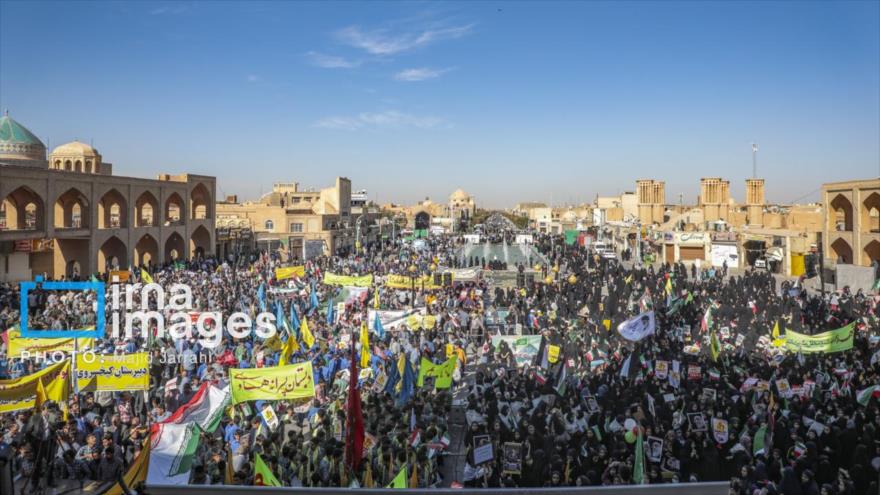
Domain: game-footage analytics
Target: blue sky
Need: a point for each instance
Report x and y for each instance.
(512, 101)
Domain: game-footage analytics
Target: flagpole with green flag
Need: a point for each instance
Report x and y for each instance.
(262, 474)
(639, 476)
(399, 481)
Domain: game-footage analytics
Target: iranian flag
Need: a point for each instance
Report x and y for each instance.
(205, 408)
(706, 323)
(864, 396)
(172, 452)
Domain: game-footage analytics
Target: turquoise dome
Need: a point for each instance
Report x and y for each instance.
(17, 142)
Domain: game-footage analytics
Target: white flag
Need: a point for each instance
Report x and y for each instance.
(637, 328)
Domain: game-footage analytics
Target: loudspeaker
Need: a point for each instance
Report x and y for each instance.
(520, 280)
(438, 278)
(447, 279)
(530, 279)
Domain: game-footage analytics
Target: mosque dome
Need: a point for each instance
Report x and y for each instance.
(459, 195)
(18, 143)
(75, 148)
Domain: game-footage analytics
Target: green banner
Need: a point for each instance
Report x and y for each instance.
(362, 281)
(831, 341)
(524, 348)
(571, 236)
(441, 372)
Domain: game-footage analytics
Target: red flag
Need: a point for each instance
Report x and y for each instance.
(354, 418)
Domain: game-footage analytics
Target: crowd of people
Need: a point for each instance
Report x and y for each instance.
(708, 395)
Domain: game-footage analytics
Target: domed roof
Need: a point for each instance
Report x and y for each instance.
(460, 195)
(17, 142)
(75, 148)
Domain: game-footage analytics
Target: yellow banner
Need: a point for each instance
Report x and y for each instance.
(295, 381)
(553, 353)
(406, 282)
(290, 271)
(830, 341)
(112, 372)
(20, 393)
(362, 281)
(33, 347)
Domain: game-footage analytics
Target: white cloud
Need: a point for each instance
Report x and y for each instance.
(252, 78)
(390, 119)
(381, 42)
(331, 61)
(178, 8)
(419, 74)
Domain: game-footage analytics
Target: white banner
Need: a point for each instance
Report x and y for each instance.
(725, 252)
(637, 328)
(392, 320)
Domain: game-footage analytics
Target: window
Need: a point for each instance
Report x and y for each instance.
(296, 227)
(270, 225)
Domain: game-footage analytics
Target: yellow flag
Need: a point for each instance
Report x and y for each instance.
(307, 336)
(669, 285)
(59, 391)
(289, 348)
(414, 477)
(368, 477)
(146, 276)
(775, 333)
(41, 395)
(376, 298)
(365, 346)
(137, 472)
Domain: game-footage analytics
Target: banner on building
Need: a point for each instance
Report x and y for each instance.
(295, 381)
(362, 281)
(112, 372)
(831, 341)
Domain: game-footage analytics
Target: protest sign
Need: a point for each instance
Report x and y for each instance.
(295, 381)
(482, 449)
(112, 372)
(511, 460)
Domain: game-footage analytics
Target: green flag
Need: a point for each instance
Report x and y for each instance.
(262, 474)
(758, 444)
(93, 279)
(863, 396)
(399, 481)
(714, 346)
(639, 477)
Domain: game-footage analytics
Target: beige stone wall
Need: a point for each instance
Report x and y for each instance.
(103, 240)
(851, 228)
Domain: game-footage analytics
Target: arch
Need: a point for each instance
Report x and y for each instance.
(200, 242)
(173, 209)
(68, 165)
(200, 202)
(88, 168)
(842, 251)
(57, 164)
(24, 209)
(871, 253)
(112, 255)
(870, 221)
(72, 210)
(112, 210)
(146, 251)
(146, 210)
(78, 166)
(174, 248)
(73, 270)
(422, 220)
(840, 216)
(269, 225)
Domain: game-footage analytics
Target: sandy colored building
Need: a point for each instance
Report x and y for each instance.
(851, 233)
(455, 214)
(295, 220)
(651, 201)
(69, 216)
